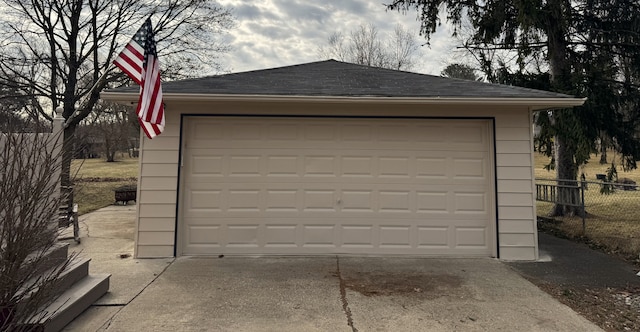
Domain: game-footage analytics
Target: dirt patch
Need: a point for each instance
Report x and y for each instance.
(385, 284)
(610, 308)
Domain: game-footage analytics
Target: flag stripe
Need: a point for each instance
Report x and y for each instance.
(154, 103)
(152, 84)
(131, 71)
(139, 61)
(150, 129)
(131, 61)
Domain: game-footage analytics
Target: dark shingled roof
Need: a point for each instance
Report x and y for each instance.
(335, 78)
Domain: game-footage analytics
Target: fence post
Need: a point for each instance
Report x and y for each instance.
(55, 149)
(583, 183)
(55, 144)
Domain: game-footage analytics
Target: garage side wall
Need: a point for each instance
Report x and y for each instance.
(516, 203)
(159, 180)
(157, 191)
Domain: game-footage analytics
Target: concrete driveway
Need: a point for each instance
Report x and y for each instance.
(315, 294)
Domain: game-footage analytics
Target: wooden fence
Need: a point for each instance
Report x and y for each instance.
(563, 192)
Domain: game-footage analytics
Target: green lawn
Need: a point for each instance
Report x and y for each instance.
(95, 180)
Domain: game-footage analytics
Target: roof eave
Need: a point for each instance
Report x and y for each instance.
(533, 103)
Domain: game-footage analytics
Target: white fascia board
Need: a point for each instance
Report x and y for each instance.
(532, 103)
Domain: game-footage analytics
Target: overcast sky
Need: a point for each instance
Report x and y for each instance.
(274, 33)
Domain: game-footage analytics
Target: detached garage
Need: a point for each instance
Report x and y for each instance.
(333, 158)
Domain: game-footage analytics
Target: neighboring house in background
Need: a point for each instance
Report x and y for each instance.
(336, 158)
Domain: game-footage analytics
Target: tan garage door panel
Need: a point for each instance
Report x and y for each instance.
(328, 185)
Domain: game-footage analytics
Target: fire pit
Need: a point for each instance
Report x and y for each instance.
(125, 194)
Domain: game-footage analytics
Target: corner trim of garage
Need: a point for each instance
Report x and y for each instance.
(495, 187)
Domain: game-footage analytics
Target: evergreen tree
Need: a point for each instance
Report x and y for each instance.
(589, 48)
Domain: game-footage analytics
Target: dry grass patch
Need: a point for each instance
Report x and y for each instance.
(98, 168)
(96, 179)
(590, 169)
(91, 196)
(613, 221)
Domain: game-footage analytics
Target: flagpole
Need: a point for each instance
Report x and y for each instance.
(101, 78)
(95, 85)
(111, 64)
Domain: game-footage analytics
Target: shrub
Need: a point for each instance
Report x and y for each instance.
(29, 202)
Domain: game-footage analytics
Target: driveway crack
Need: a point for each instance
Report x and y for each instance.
(107, 324)
(343, 297)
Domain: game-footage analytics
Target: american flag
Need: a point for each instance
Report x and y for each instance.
(139, 60)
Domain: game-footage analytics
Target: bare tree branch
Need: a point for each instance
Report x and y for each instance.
(364, 46)
(71, 44)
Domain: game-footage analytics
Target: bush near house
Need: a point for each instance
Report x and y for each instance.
(29, 201)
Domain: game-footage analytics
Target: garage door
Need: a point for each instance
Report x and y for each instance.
(305, 185)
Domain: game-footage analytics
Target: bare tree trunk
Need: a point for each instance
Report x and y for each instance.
(603, 157)
(603, 152)
(566, 168)
(110, 150)
(566, 174)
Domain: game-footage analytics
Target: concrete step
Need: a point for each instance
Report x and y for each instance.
(74, 272)
(54, 256)
(70, 304)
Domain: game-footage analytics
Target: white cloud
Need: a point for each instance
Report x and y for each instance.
(273, 33)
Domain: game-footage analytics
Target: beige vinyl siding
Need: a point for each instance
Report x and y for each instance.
(158, 197)
(516, 205)
(514, 159)
(514, 174)
(515, 226)
(514, 199)
(517, 239)
(161, 169)
(519, 252)
(160, 157)
(157, 211)
(157, 183)
(155, 224)
(515, 212)
(157, 192)
(514, 186)
(152, 251)
(155, 238)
